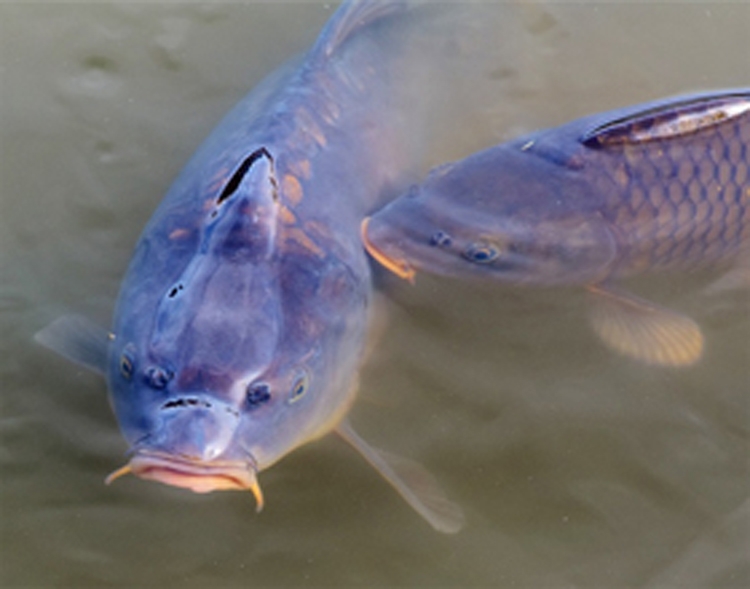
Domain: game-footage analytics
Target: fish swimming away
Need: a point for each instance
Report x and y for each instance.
(657, 187)
(241, 322)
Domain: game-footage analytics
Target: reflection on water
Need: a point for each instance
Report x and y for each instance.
(576, 467)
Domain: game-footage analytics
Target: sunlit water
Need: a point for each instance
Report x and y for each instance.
(576, 467)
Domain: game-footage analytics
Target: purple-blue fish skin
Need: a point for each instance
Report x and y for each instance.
(241, 321)
(662, 186)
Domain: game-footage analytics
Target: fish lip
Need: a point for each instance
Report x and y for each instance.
(399, 266)
(144, 462)
(196, 475)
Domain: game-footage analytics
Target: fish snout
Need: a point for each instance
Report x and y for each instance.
(383, 248)
(192, 447)
(195, 427)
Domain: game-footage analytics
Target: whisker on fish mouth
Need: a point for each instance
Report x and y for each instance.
(120, 472)
(199, 477)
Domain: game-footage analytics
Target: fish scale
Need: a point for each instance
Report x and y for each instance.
(683, 205)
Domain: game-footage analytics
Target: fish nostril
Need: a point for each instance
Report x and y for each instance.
(257, 394)
(157, 377)
(184, 402)
(441, 239)
(175, 290)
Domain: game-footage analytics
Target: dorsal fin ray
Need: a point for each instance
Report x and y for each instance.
(670, 119)
(350, 18)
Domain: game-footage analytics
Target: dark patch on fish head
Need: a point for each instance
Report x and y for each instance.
(242, 223)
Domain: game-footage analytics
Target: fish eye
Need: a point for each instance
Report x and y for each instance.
(157, 377)
(127, 363)
(299, 389)
(257, 394)
(481, 252)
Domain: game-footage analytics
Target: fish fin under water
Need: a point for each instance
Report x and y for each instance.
(417, 486)
(379, 320)
(729, 293)
(77, 339)
(736, 278)
(643, 330)
(357, 15)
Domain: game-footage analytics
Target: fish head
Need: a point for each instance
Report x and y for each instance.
(495, 215)
(178, 375)
(245, 350)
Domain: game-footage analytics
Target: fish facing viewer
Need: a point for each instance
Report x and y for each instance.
(657, 187)
(241, 322)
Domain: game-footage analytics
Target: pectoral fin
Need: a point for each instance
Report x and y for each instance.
(77, 339)
(417, 486)
(737, 278)
(643, 330)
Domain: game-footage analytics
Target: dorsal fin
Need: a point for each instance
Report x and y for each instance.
(669, 120)
(351, 17)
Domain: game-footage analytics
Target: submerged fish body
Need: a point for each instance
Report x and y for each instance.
(241, 321)
(654, 187)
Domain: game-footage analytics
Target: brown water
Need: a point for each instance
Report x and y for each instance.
(576, 467)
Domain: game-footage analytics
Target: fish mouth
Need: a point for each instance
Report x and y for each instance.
(195, 475)
(400, 267)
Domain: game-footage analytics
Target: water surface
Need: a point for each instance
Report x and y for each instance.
(576, 467)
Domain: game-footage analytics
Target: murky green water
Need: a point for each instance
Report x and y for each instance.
(576, 467)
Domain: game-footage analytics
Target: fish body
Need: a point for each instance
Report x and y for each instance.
(662, 186)
(241, 322)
